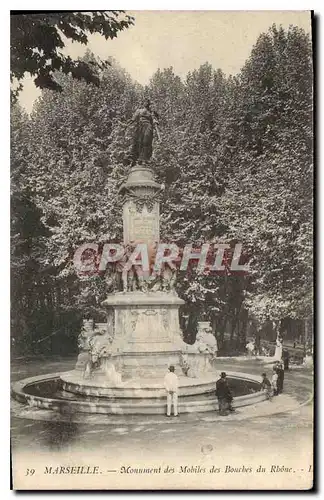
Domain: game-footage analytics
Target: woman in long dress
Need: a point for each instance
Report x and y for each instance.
(278, 351)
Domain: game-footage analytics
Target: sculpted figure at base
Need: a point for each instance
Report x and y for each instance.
(100, 344)
(129, 276)
(84, 337)
(85, 334)
(135, 279)
(169, 278)
(95, 343)
(155, 282)
(205, 340)
(196, 358)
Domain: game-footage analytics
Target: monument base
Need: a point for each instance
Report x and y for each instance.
(147, 336)
(146, 340)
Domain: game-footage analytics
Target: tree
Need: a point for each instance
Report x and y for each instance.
(78, 155)
(37, 41)
(27, 240)
(236, 159)
(192, 161)
(269, 200)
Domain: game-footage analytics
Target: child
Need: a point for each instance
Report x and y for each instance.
(266, 386)
(171, 385)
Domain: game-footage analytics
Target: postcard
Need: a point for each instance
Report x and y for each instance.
(162, 250)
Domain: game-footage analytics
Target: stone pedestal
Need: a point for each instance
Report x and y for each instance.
(147, 335)
(141, 212)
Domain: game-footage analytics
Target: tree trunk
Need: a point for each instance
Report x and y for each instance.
(243, 329)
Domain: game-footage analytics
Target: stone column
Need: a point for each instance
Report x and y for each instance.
(147, 336)
(141, 208)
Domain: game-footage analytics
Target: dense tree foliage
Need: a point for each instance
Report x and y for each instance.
(236, 158)
(270, 198)
(37, 41)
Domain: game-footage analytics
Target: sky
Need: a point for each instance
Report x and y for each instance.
(183, 40)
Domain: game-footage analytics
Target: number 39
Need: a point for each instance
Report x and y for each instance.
(30, 472)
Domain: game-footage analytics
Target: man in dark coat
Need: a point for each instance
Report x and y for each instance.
(285, 356)
(281, 376)
(224, 395)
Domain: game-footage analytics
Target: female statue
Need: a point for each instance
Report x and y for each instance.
(145, 120)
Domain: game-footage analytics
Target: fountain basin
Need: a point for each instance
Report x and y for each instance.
(47, 392)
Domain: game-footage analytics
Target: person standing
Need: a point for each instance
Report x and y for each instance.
(278, 350)
(171, 384)
(274, 381)
(281, 376)
(224, 395)
(250, 346)
(266, 386)
(285, 355)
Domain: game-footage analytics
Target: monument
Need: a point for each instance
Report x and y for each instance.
(121, 363)
(129, 356)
